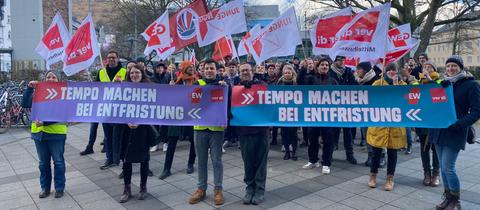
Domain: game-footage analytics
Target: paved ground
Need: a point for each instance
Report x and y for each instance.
(288, 186)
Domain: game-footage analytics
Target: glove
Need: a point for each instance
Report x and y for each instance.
(445, 83)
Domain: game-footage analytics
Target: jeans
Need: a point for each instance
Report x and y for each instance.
(447, 157)
(409, 136)
(127, 173)
(254, 149)
(347, 139)
(51, 150)
(212, 140)
(328, 145)
(289, 137)
(172, 144)
(108, 133)
(391, 161)
(425, 148)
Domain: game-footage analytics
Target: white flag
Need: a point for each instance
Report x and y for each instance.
(81, 51)
(365, 36)
(157, 34)
(242, 46)
(53, 42)
(227, 20)
(279, 38)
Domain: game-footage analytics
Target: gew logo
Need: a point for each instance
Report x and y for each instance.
(413, 96)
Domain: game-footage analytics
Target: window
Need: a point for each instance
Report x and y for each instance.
(9, 34)
(468, 44)
(478, 59)
(469, 59)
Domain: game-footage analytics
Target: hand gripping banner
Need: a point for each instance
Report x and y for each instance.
(428, 106)
(139, 103)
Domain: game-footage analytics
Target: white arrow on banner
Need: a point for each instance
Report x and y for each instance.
(248, 98)
(51, 93)
(193, 113)
(412, 114)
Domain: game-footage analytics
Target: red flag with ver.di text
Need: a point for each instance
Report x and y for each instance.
(81, 51)
(324, 30)
(184, 24)
(365, 36)
(224, 47)
(53, 42)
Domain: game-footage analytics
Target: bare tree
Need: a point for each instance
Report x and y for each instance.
(421, 14)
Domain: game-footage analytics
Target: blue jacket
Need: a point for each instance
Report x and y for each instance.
(466, 94)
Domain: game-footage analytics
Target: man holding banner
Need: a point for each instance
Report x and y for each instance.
(209, 139)
(113, 72)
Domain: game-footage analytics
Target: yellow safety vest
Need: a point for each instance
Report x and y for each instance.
(201, 82)
(57, 128)
(104, 76)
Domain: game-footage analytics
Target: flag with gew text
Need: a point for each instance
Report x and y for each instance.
(53, 42)
(82, 49)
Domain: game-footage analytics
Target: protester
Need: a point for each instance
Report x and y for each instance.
(135, 140)
(232, 78)
(260, 73)
(289, 134)
(201, 69)
(319, 76)
(209, 139)
(113, 72)
(449, 141)
(272, 79)
(232, 73)
(344, 76)
(174, 133)
(411, 80)
(49, 138)
(306, 65)
(422, 58)
(431, 176)
(384, 137)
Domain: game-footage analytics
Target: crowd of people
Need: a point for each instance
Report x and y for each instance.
(133, 143)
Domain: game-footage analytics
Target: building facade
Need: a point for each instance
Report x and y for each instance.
(5, 37)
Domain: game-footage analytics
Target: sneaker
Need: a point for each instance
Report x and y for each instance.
(325, 170)
(154, 148)
(226, 144)
(165, 147)
(311, 165)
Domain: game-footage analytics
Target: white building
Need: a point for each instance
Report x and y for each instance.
(5, 37)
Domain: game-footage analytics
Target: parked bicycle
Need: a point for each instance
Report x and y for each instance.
(11, 111)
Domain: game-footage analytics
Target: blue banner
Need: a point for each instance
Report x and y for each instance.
(427, 106)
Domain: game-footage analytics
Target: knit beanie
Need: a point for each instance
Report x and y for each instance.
(431, 64)
(367, 66)
(455, 59)
(184, 65)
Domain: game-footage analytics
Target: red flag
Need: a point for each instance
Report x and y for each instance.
(53, 43)
(323, 33)
(183, 23)
(157, 34)
(224, 47)
(82, 49)
(193, 58)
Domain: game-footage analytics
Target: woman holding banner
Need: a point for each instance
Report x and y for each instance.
(319, 76)
(49, 138)
(289, 134)
(386, 137)
(449, 141)
(135, 145)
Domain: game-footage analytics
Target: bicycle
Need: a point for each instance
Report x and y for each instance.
(11, 111)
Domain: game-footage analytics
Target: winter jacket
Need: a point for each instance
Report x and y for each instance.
(135, 143)
(347, 78)
(247, 130)
(466, 93)
(386, 137)
(312, 78)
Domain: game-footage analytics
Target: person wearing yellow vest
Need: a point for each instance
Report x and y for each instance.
(49, 138)
(209, 138)
(113, 72)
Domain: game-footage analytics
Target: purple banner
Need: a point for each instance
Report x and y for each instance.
(139, 103)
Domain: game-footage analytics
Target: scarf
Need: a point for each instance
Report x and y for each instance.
(284, 81)
(338, 71)
(367, 77)
(186, 79)
(459, 76)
